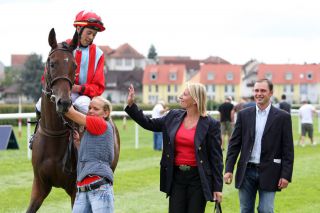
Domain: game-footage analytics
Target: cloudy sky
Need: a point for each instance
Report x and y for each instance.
(273, 31)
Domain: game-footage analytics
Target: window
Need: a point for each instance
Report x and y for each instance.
(304, 89)
(309, 75)
(229, 76)
(157, 88)
(149, 88)
(210, 88)
(128, 62)
(268, 75)
(172, 99)
(138, 63)
(173, 76)
(153, 75)
(288, 88)
(119, 62)
(169, 88)
(229, 89)
(175, 88)
(288, 76)
(210, 76)
(152, 99)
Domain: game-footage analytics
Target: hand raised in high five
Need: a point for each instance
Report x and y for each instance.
(130, 95)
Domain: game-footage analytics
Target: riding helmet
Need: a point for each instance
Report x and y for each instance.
(89, 19)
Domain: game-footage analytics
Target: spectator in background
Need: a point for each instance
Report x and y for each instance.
(284, 105)
(158, 111)
(306, 112)
(236, 109)
(234, 103)
(251, 102)
(226, 120)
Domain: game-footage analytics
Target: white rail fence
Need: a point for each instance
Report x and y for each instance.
(28, 117)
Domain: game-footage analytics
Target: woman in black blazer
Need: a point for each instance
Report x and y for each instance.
(191, 163)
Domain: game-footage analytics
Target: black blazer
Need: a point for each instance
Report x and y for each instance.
(277, 153)
(207, 148)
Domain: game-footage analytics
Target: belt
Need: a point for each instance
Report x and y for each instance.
(93, 186)
(253, 165)
(185, 168)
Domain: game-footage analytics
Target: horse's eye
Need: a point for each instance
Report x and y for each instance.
(51, 65)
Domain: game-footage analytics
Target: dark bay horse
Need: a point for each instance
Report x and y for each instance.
(54, 157)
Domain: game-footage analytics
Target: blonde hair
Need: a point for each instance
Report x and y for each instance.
(106, 104)
(198, 93)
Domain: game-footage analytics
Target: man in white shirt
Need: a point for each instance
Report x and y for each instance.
(306, 112)
(262, 143)
(158, 111)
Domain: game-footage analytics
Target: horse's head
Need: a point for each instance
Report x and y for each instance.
(60, 72)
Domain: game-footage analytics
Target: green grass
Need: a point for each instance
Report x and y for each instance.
(136, 184)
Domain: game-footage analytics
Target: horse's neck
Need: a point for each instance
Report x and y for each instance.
(49, 117)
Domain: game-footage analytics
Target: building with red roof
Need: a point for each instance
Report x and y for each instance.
(164, 81)
(221, 80)
(124, 58)
(18, 60)
(297, 82)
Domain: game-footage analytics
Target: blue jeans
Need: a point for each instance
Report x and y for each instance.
(96, 201)
(248, 191)
(157, 140)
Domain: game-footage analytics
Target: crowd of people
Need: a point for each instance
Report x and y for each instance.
(229, 109)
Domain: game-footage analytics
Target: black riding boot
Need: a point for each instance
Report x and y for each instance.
(38, 116)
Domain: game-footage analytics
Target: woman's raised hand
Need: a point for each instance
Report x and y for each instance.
(130, 95)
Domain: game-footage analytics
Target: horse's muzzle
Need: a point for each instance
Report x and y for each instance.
(63, 105)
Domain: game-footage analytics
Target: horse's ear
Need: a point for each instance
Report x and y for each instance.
(74, 42)
(52, 39)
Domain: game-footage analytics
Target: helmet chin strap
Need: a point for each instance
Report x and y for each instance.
(79, 36)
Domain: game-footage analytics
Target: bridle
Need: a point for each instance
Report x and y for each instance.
(48, 75)
(48, 91)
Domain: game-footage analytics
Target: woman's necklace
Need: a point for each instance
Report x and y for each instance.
(190, 123)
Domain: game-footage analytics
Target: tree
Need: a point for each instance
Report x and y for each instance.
(11, 76)
(30, 80)
(152, 52)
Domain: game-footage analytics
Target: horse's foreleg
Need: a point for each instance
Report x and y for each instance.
(72, 193)
(38, 194)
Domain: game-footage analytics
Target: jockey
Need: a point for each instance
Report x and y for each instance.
(90, 80)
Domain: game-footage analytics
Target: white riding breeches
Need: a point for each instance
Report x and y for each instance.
(81, 102)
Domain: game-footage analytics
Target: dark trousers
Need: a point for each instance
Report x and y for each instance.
(187, 194)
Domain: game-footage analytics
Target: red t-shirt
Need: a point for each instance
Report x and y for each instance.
(184, 146)
(96, 125)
